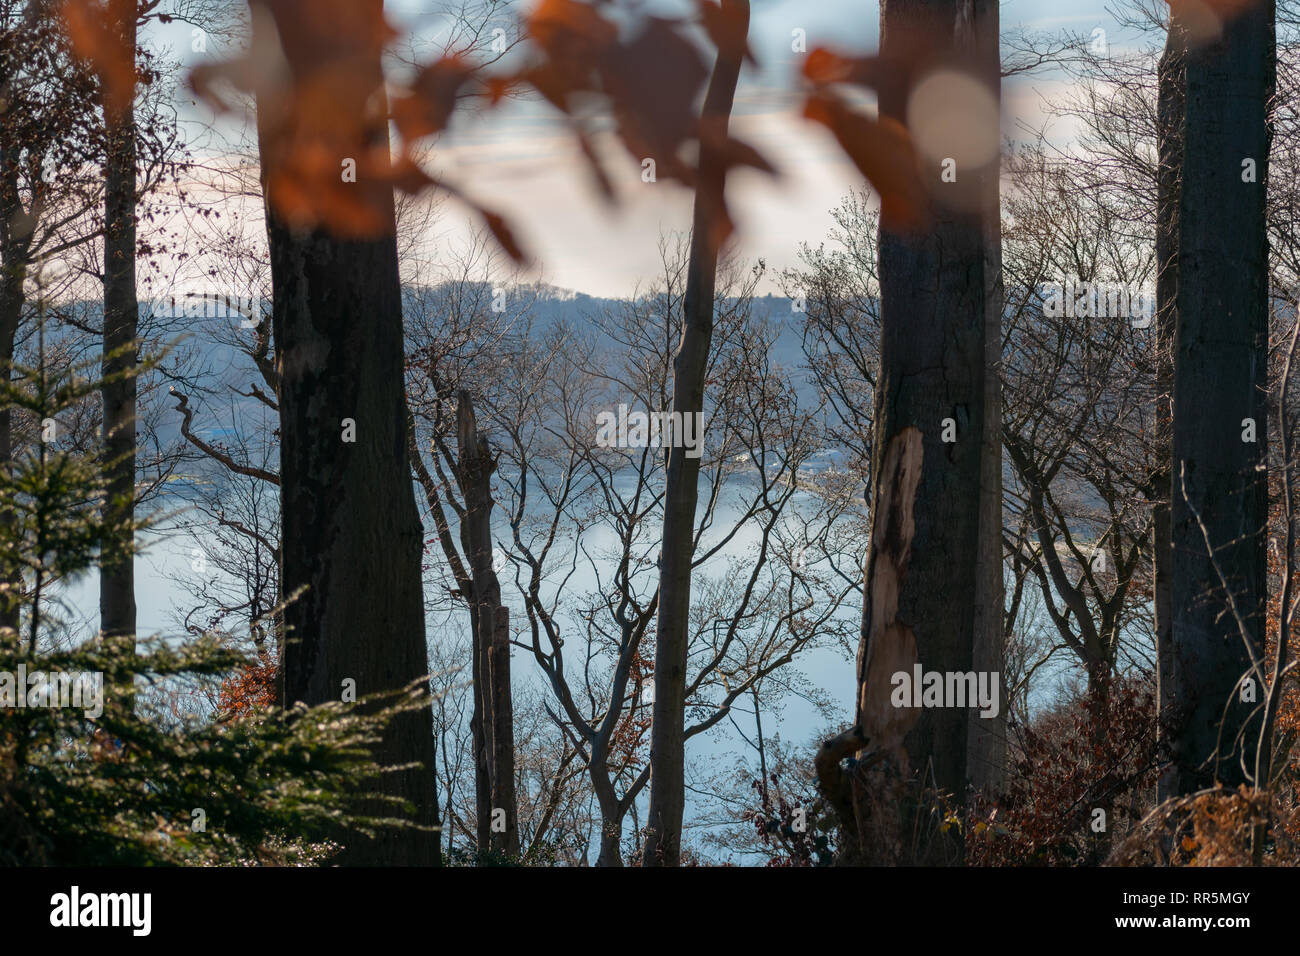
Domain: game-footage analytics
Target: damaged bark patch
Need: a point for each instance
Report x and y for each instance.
(891, 645)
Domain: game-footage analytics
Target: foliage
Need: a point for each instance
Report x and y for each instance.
(1216, 827)
(799, 830)
(136, 785)
(1095, 753)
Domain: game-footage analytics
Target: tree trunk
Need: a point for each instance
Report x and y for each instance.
(611, 839)
(1219, 488)
(121, 311)
(352, 539)
(934, 296)
(988, 736)
(667, 740)
(480, 728)
(611, 814)
(493, 710)
(1172, 82)
(503, 735)
(13, 273)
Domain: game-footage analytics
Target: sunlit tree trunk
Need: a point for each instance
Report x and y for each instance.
(667, 740)
(493, 707)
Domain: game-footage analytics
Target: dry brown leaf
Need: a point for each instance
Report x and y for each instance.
(109, 55)
(428, 105)
(882, 152)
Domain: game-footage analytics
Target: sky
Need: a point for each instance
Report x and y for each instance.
(521, 162)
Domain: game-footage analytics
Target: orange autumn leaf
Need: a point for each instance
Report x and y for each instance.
(249, 691)
(427, 107)
(504, 235)
(575, 40)
(1204, 19)
(567, 26)
(496, 224)
(882, 152)
(405, 174)
(656, 118)
(336, 32)
(498, 87)
(824, 67)
(94, 41)
(320, 117)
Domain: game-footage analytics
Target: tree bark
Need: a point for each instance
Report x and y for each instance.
(352, 539)
(611, 818)
(667, 733)
(1170, 110)
(988, 736)
(13, 274)
(503, 735)
(934, 296)
(1219, 487)
(493, 708)
(117, 608)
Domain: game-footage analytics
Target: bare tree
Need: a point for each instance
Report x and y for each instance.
(681, 496)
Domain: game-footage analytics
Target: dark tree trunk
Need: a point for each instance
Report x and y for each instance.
(13, 272)
(352, 539)
(988, 736)
(121, 311)
(1171, 104)
(611, 839)
(934, 296)
(503, 735)
(667, 733)
(480, 728)
(612, 813)
(1219, 490)
(493, 708)
(611, 836)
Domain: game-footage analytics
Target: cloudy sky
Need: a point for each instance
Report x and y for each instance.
(519, 159)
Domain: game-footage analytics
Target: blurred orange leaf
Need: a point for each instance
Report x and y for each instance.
(883, 153)
(824, 66)
(656, 118)
(563, 27)
(504, 235)
(94, 40)
(428, 106)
